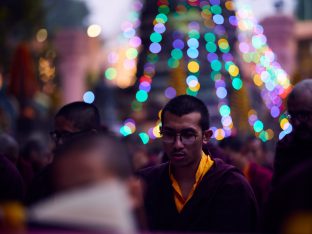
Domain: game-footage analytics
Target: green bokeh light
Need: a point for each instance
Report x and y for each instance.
(237, 83)
(264, 136)
(194, 34)
(177, 54)
(161, 18)
(125, 130)
(210, 37)
(216, 9)
(110, 73)
(211, 47)
(190, 92)
(225, 49)
(258, 126)
(216, 65)
(141, 96)
(225, 110)
(144, 137)
(156, 37)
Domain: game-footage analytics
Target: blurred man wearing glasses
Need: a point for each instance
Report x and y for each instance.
(193, 192)
(295, 148)
(73, 121)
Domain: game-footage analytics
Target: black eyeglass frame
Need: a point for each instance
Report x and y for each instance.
(181, 136)
(57, 136)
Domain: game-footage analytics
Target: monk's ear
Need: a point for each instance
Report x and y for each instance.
(207, 135)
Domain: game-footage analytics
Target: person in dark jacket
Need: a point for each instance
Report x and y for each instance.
(194, 192)
(295, 148)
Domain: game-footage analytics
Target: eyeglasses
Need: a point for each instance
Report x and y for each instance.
(57, 136)
(300, 115)
(187, 138)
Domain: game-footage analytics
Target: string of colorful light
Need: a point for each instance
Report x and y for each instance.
(213, 19)
(275, 86)
(272, 80)
(145, 80)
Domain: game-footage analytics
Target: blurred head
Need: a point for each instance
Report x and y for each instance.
(255, 150)
(74, 119)
(299, 105)
(9, 147)
(36, 152)
(90, 159)
(184, 130)
(232, 146)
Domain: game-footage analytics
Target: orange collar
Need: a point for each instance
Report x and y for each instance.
(204, 165)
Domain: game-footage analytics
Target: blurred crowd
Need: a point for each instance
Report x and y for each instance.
(87, 178)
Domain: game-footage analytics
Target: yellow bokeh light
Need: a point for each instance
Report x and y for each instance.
(223, 43)
(195, 88)
(257, 80)
(156, 132)
(233, 70)
(219, 134)
(193, 67)
(229, 5)
(42, 35)
(94, 30)
(284, 123)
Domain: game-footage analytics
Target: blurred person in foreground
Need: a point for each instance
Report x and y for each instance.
(90, 176)
(193, 192)
(295, 148)
(73, 120)
(258, 176)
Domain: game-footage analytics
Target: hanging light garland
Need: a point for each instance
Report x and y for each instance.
(269, 76)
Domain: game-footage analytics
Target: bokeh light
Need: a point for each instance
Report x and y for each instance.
(88, 97)
(42, 35)
(94, 30)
